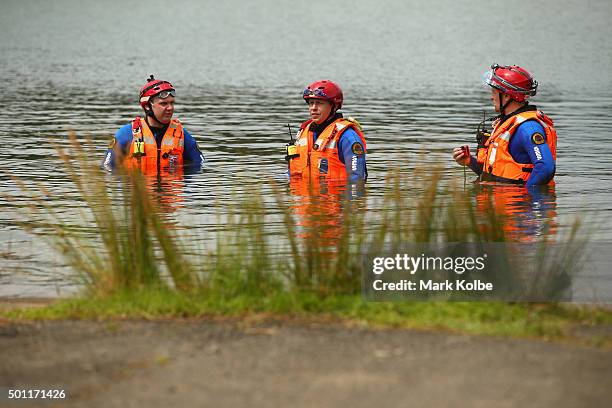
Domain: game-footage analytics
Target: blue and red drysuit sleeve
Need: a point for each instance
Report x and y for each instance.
(353, 157)
(192, 156)
(523, 149)
(122, 141)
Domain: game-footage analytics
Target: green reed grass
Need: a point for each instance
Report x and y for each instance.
(134, 262)
(134, 245)
(316, 252)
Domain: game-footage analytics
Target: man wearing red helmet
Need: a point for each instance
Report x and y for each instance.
(522, 148)
(327, 145)
(157, 143)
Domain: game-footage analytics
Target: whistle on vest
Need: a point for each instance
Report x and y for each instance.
(139, 148)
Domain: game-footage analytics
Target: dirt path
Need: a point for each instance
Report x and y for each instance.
(233, 364)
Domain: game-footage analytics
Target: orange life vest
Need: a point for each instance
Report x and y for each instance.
(145, 155)
(498, 164)
(320, 158)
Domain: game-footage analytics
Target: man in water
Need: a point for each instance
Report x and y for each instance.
(327, 164)
(327, 146)
(522, 148)
(156, 144)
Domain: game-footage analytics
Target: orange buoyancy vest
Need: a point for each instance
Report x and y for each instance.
(146, 156)
(498, 164)
(319, 158)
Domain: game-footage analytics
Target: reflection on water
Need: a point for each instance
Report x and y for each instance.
(168, 189)
(321, 208)
(529, 214)
(410, 75)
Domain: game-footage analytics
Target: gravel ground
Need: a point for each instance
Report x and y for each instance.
(291, 364)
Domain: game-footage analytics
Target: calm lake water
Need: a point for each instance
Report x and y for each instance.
(410, 71)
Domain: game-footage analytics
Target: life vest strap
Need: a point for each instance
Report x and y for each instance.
(340, 126)
(485, 176)
(176, 136)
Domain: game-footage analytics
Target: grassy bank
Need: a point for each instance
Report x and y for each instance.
(138, 266)
(582, 325)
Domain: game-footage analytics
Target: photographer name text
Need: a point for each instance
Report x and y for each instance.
(431, 285)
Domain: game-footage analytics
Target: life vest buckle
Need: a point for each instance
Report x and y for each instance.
(323, 166)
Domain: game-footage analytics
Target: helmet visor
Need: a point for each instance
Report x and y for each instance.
(165, 94)
(314, 93)
(487, 79)
(488, 82)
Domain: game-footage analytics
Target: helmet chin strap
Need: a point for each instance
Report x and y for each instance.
(503, 107)
(149, 112)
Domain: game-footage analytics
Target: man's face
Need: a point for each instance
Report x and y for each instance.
(495, 99)
(319, 110)
(163, 109)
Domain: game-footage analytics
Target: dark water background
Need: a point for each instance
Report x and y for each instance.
(410, 71)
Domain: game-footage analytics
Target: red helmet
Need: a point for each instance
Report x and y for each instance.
(152, 88)
(511, 80)
(328, 90)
